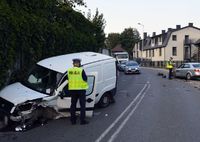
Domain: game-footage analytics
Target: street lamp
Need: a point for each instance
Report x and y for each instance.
(142, 28)
(142, 39)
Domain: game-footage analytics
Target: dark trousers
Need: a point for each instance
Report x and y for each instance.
(170, 73)
(75, 96)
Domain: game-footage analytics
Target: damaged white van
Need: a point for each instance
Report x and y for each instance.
(44, 92)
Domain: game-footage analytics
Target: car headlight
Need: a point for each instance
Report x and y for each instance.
(26, 106)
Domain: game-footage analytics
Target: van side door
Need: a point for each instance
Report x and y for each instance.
(64, 101)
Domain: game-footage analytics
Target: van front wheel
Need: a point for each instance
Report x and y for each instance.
(104, 101)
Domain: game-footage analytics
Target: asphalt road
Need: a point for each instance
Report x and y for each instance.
(148, 108)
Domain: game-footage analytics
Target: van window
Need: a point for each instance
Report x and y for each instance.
(91, 80)
(63, 79)
(89, 91)
(41, 79)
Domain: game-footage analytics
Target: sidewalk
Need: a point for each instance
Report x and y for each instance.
(194, 83)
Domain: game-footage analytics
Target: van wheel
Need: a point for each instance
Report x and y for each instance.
(104, 101)
(4, 120)
(188, 76)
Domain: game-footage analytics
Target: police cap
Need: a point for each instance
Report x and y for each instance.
(75, 60)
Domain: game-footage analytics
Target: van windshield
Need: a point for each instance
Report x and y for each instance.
(122, 56)
(42, 79)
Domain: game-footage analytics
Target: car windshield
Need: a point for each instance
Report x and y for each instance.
(123, 63)
(131, 64)
(42, 79)
(122, 56)
(196, 65)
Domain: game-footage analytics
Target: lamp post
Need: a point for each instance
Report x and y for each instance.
(142, 39)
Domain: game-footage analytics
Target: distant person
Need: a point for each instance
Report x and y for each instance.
(170, 66)
(77, 88)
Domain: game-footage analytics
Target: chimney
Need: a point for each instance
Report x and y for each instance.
(190, 24)
(169, 29)
(163, 31)
(178, 26)
(145, 35)
(154, 34)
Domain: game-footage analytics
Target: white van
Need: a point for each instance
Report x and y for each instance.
(121, 56)
(45, 87)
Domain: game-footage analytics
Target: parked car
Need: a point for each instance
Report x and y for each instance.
(45, 89)
(132, 67)
(121, 65)
(188, 70)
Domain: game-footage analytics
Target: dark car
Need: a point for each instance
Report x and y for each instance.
(132, 67)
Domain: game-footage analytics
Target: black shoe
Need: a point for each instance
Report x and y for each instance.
(84, 122)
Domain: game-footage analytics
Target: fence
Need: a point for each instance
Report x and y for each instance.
(158, 64)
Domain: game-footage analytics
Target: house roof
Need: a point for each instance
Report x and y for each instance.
(118, 48)
(165, 37)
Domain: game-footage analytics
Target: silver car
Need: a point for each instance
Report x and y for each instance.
(121, 66)
(132, 67)
(188, 70)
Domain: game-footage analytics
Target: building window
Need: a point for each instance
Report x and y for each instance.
(146, 53)
(160, 39)
(160, 51)
(174, 51)
(152, 41)
(186, 36)
(153, 53)
(174, 37)
(149, 53)
(156, 40)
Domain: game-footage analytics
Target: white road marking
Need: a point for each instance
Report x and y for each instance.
(121, 115)
(112, 138)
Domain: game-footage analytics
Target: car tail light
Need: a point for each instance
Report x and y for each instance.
(196, 70)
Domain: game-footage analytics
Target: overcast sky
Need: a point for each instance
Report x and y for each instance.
(155, 15)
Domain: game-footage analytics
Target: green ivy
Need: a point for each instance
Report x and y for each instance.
(31, 30)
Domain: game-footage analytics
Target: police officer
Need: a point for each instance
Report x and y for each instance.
(170, 66)
(77, 88)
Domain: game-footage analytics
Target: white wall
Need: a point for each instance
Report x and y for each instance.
(193, 33)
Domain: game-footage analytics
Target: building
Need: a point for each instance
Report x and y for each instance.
(179, 43)
(118, 48)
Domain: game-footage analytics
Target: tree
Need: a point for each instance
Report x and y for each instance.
(112, 40)
(99, 23)
(73, 3)
(31, 30)
(128, 38)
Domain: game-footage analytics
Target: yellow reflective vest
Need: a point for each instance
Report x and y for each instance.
(169, 65)
(75, 79)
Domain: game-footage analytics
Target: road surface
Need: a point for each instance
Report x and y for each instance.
(148, 108)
